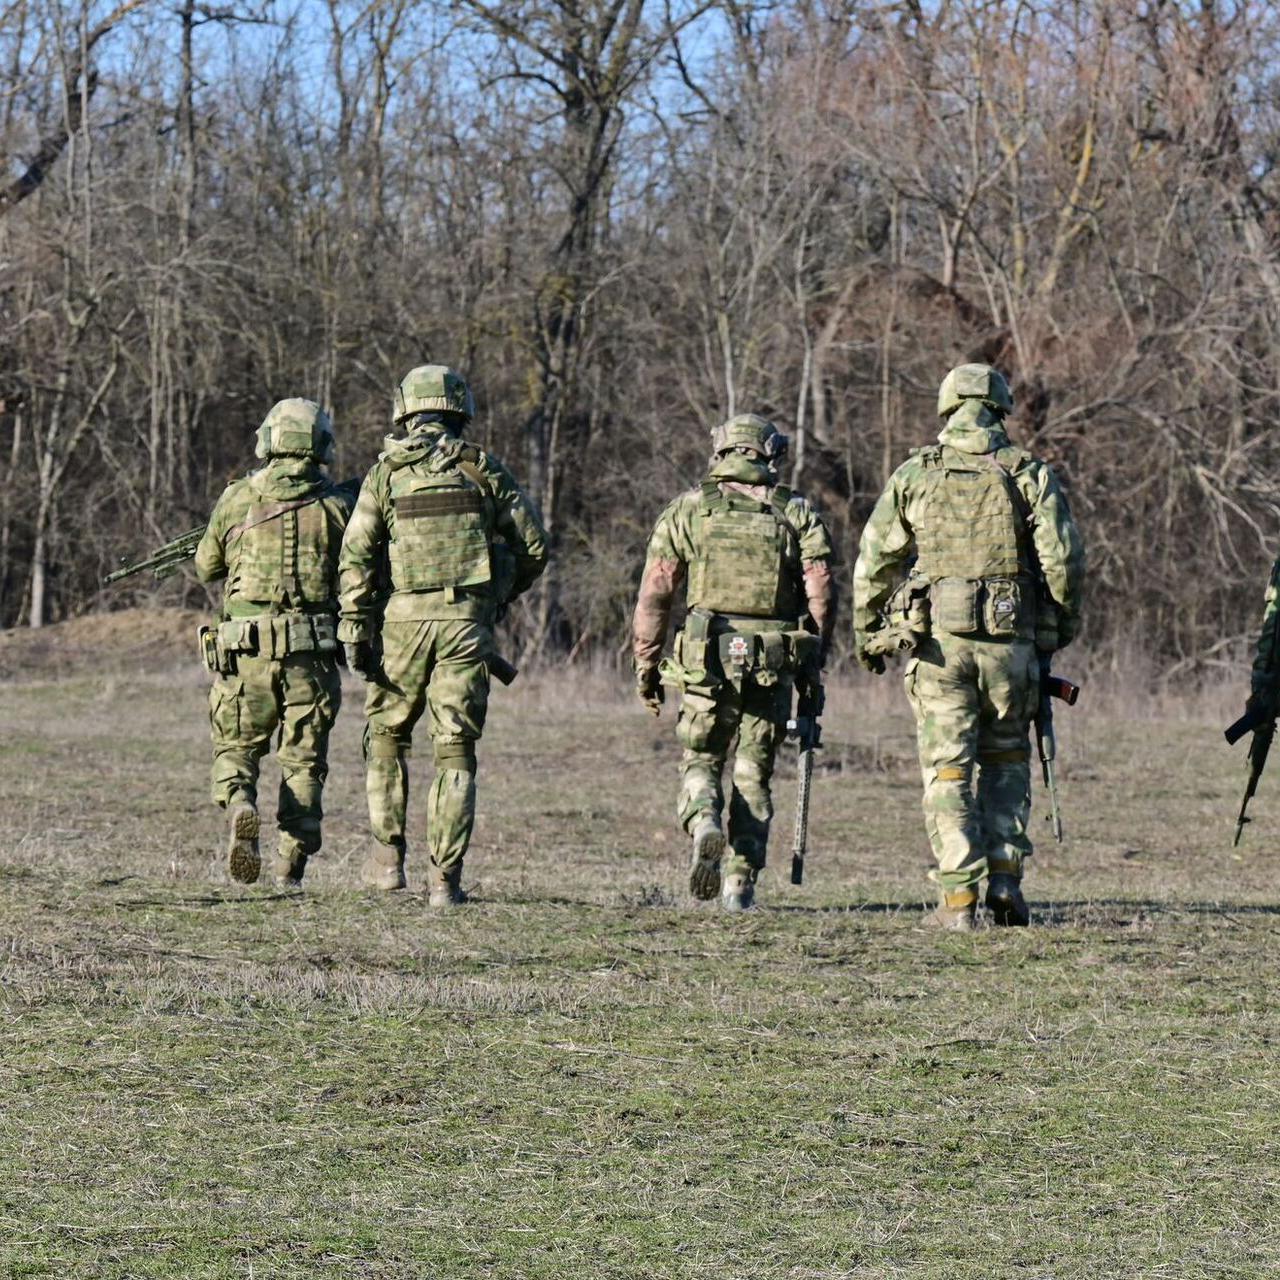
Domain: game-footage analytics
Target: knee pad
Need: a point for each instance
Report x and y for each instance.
(455, 755)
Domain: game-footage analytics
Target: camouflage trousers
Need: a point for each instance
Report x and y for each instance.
(974, 701)
(297, 699)
(440, 668)
(709, 722)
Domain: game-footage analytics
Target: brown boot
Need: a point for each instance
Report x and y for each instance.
(708, 849)
(243, 860)
(956, 911)
(1005, 901)
(444, 888)
(738, 893)
(289, 867)
(383, 868)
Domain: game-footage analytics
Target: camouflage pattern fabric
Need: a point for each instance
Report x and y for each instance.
(435, 512)
(300, 697)
(708, 723)
(1265, 673)
(790, 569)
(974, 681)
(274, 536)
(973, 702)
(439, 668)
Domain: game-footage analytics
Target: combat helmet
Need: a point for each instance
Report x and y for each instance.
(974, 382)
(749, 431)
(296, 428)
(433, 388)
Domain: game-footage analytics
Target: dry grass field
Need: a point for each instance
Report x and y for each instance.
(585, 1074)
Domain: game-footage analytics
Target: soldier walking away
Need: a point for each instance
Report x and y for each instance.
(441, 541)
(274, 536)
(971, 559)
(756, 558)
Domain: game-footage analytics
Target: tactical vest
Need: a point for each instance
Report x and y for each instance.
(970, 523)
(445, 517)
(747, 556)
(284, 555)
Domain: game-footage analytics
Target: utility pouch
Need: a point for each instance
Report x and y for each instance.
(325, 630)
(803, 648)
(238, 635)
(1001, 607)
(1046, 624)
(737, 653)
(954, 605)
(207, 639)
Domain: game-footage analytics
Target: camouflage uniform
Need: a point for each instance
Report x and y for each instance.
(995, 572)
(441, 540)
(757, 559)
(1266, 668)
(274, 536)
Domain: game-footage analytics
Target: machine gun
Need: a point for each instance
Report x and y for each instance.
(1051, 687)
(162, 562)
(807, 730)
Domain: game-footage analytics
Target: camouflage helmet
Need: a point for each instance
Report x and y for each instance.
(974, 382)
(296, 428)
(749, 431)
(433, 388)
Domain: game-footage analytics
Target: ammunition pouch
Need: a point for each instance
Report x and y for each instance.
(217, 661)
(997, 608)
(279, 635)
(710, 650)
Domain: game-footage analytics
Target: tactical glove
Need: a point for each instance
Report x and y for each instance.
(649, 687)
(360, 658)
(873, 662)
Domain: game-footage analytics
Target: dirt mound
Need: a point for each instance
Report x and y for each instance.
(127, 640)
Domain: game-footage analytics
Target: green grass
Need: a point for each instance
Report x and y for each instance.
(585, 1074)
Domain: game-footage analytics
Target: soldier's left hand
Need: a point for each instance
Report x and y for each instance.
(649, 687)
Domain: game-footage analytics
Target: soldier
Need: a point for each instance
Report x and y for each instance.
(274, 536)
(457, 540)
(757, 559)
(994, 589)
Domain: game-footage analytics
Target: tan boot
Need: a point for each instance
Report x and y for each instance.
(708, 849)
(1005, 901)
(289, 868)
(738, 893)
(955, 913)
(243, 860)
(383, 868)
(444, 889)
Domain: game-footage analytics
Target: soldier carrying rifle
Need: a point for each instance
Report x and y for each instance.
(993, 569)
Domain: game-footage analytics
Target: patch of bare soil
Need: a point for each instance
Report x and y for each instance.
(127, 640)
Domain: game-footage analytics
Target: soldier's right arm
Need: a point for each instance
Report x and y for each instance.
(211, 554)
(521, 528)
(665, 566)
(359, 559)
(886, 544)
(1264, 658)
(1059, 551)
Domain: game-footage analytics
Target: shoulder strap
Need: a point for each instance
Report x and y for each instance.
(260, 515)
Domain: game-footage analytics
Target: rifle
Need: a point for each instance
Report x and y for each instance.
(1051, 687)
(808, 733)
(162, 562)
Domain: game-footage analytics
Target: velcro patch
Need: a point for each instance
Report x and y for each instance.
(441, 502)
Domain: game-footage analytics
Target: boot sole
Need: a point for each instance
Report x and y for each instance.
(243, 860)
(1007, 915)
(704, 877)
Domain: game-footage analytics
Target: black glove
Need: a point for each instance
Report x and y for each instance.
(361, 659)
(649, 687)
(873, 662)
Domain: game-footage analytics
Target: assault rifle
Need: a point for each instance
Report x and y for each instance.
(808, 734)
(1051, 687)
(1260, 720)
(162, 562)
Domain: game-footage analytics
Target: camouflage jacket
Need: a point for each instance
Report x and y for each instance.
(1266, 662)
(889, 539)
(367, 595)
(678, 541)
(274, 536)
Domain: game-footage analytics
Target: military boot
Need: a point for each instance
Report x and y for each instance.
(1005, 900)
(955, 912)
(708, 849)
(289, 867)
(444, 888)
(739, 892)
(383, 867)
(243, 859)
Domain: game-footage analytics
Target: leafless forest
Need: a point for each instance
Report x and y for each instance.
(625, 220)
